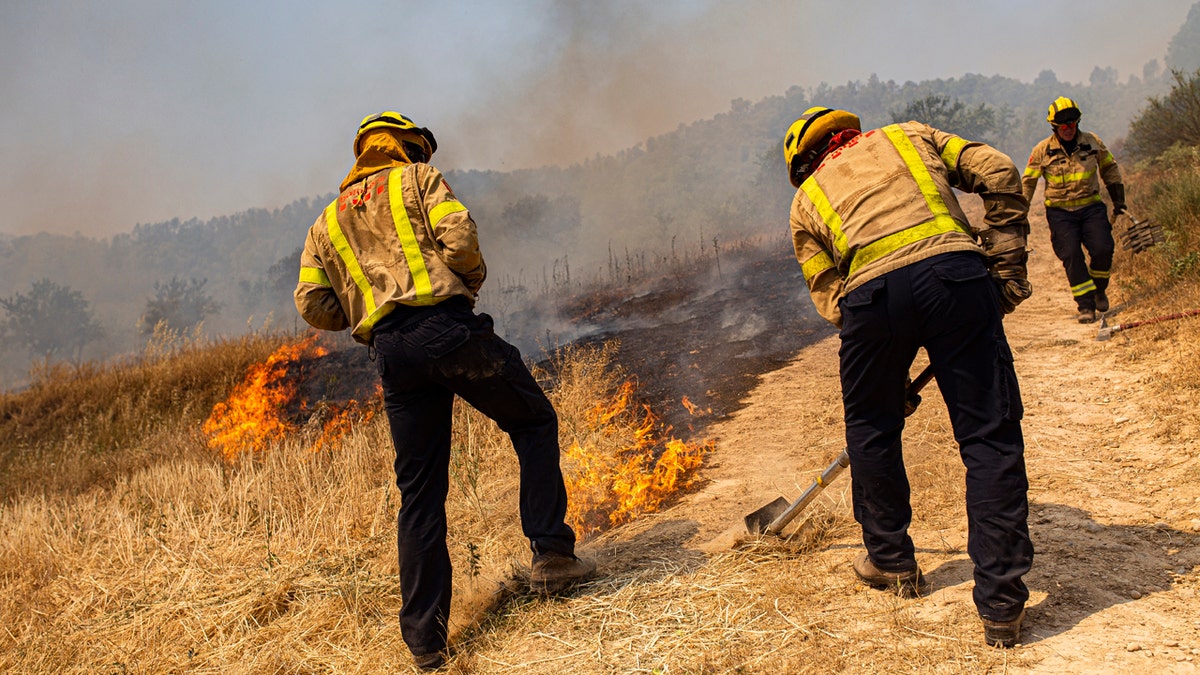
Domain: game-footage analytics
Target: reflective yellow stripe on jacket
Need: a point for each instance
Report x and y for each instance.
(314, 275)
(816, 264)
(832, 220)
(1082, 201)
(1071, 177)
(942, 221)
(408, 238)
(951, 152)
(338, 239)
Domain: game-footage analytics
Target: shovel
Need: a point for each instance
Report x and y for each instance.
(772, 518)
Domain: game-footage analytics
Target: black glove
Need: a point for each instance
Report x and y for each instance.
(1116, 192)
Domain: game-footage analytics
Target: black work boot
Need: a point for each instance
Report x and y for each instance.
(1101, 302)
(1002, 633)
(432, 661)
(907, 583)
(555, 572)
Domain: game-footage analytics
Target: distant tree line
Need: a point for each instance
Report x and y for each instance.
(715, 179)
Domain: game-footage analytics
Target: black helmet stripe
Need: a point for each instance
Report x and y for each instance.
(808, 122)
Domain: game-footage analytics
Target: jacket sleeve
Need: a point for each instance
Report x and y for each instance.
(1033, 171)
(315, 298)
(982, 169)
(824, 280)
(1110, 173)
(452, 228)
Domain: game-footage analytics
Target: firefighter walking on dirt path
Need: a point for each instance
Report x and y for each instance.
(1073, 162)
(890, 259)
(396, 259)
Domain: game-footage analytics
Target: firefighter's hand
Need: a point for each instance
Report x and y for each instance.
(1013, 292)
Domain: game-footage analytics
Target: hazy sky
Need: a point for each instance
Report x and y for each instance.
(138, 111)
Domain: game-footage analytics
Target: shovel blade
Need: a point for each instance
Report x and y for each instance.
(757, 522)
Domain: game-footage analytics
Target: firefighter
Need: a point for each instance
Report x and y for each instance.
(395, 258)
(1073, 162)
(891, 260)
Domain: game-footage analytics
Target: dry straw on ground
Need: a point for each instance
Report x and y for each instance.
(285, 562)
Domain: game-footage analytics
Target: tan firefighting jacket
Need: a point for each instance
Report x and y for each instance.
(399, 236)
(885, 200)
(1071, 179)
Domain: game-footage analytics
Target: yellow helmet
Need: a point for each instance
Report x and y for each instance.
(1063, 110)
(802, 138)
(394, 120)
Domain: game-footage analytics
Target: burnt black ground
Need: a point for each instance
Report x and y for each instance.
(703, 333)
(709, 336)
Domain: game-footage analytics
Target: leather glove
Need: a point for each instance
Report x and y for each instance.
(1013, 292)
(1006, 258)
(1116, 192)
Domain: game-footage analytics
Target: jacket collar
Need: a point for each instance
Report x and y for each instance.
(380, 151)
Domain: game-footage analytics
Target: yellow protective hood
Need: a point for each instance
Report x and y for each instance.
(381, 149)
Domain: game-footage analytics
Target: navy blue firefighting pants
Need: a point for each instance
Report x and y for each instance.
(424, 360)
(949, 305)
(1071, 232)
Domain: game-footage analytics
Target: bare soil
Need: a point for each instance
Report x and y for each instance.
(1112, 455)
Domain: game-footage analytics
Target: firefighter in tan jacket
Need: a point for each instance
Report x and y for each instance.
(1073, 162)
(395, 258)
(891, 260)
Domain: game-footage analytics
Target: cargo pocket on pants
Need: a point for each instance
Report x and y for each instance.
(440, 335)
(1010, 391)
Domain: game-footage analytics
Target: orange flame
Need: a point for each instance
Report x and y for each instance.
(695, 410)
(254, 416)
(625, 468)
(339, 425)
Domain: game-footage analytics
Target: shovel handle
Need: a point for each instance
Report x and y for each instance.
(831, 472)
(843, 460)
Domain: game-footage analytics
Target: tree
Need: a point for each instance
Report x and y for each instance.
(1166, 121)
(1183, 53)
(1103, 77)
(938, 111)
(50, 320)
(180, 304)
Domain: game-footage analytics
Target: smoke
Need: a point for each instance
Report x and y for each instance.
(596, 78)
(135, 111)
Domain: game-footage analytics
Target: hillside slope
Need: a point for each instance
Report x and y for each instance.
(1113, 461)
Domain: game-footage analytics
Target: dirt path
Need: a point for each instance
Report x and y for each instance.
(1114, 467)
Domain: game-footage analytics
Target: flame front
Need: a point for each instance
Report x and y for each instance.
(253, 417)
(624, 468)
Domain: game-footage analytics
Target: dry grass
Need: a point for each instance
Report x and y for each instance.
(77, 426)
(286, 563)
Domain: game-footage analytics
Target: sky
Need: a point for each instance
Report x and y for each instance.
(139, 111)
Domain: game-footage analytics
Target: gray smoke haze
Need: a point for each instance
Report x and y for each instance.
(136, 111)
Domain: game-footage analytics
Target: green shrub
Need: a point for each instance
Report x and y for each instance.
(1167, 121)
